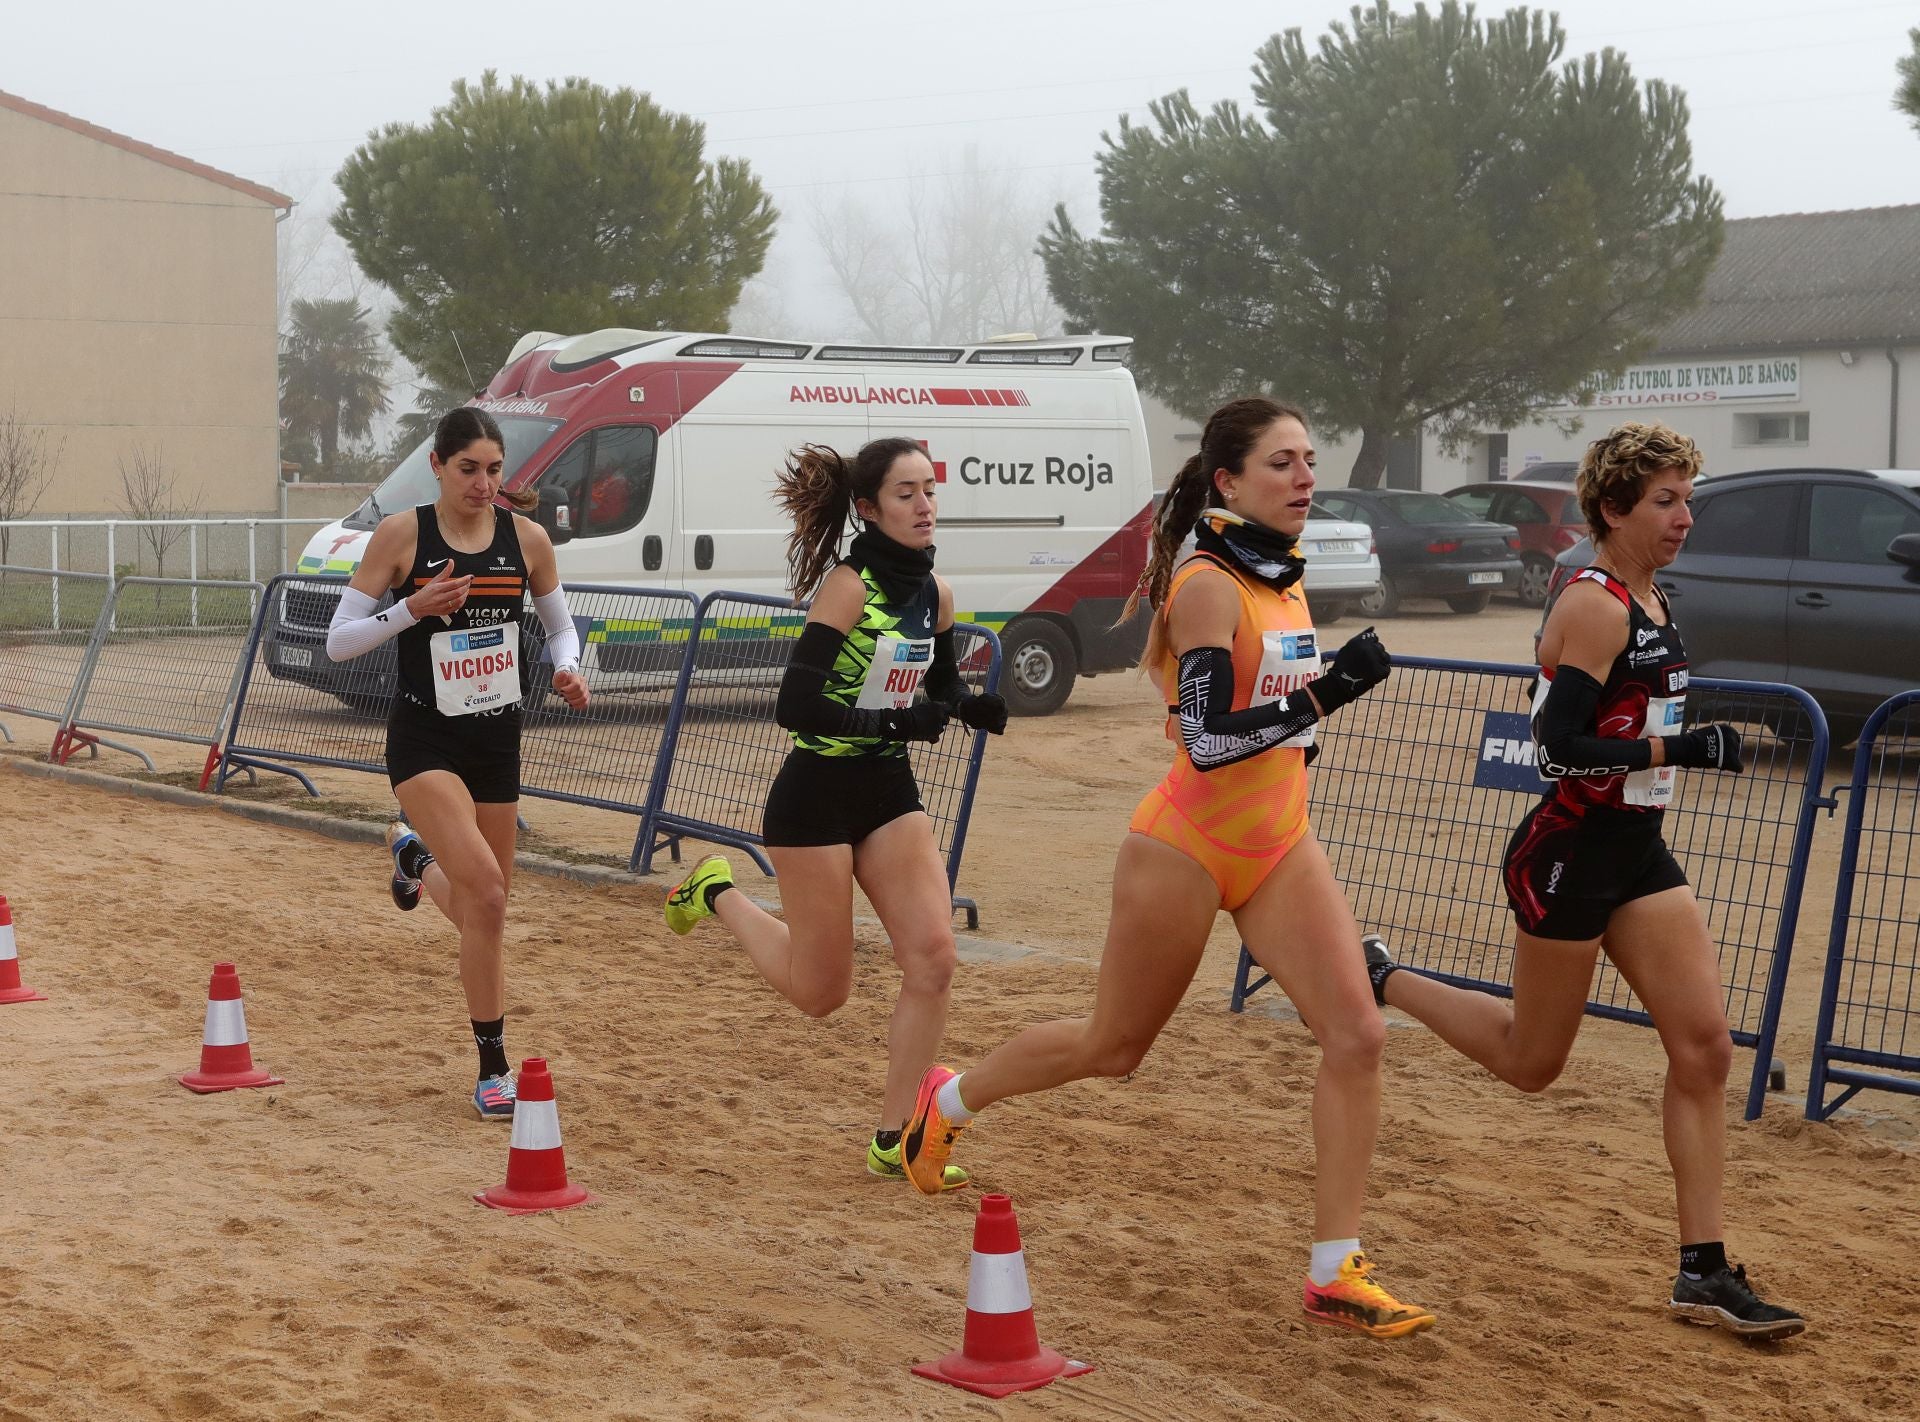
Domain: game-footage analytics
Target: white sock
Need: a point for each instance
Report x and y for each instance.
(1328, 1256)
(947, 1098)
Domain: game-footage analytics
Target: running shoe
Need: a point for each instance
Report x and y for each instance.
(687, 904)
(493, 1098)
(1724, 1299)
(929, 1136)
(1354, 1301)
(886, 1164)
(1378, 956)
(405, 888)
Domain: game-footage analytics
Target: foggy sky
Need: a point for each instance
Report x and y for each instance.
(1791, 102)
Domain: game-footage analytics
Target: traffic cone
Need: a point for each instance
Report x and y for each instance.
(10, 988)
(226, 1061)
(536, 1163)
(1000, 1352)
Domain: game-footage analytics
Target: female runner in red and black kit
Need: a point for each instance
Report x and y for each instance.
(1588, 870)
(460, 569)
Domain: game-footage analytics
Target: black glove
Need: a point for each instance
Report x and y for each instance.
(1357, 668)
(1706, 748)
(922, 721)
(985, 712)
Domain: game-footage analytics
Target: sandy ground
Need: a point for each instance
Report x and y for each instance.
(311, 1251)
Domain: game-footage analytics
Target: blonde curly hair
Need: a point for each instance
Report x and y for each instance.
(1616, 467)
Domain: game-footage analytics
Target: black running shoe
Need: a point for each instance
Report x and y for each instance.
(1724, 1299)
(1375, 947)
(405, 887)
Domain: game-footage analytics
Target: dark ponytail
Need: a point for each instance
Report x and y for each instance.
(1230, 435)
(819, 490)
(460, 427)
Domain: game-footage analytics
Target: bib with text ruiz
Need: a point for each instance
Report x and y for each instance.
(476, 670)
(899, 664)
(1288, 661)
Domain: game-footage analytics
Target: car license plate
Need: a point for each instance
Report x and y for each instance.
(1473, 578)
(1337, 545)
(296, 657)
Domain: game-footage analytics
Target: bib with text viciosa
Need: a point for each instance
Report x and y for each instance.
(476, 670)
(899, 664)
(1288, 661)
(1654, 787)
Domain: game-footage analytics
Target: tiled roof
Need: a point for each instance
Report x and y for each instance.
(1809, 279)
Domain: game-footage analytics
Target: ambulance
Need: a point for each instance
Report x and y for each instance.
(653, 455)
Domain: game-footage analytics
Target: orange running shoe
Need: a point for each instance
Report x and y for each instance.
(1354, 1301)
(929, 1135)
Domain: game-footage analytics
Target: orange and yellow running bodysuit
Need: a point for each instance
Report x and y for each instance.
(1239, 820)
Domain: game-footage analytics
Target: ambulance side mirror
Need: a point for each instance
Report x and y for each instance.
(555, 514)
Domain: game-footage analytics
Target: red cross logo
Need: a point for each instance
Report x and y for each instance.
(939, 465)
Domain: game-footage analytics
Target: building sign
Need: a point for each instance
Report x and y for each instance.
(1698, 382)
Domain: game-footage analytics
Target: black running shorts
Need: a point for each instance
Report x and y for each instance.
(825, 799)
(483, 750)
(1566, 874)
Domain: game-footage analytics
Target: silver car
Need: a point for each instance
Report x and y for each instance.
(1342, 564)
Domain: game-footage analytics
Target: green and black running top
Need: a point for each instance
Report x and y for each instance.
(887, 654)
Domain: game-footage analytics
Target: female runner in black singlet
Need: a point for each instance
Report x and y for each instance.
(460, 569)
(1588, 870)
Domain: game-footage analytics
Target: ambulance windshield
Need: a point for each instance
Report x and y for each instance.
(412, 480)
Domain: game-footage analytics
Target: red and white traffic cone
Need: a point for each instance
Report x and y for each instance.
(10, 986)
(1000, 1352)
(226, 1061)
(536, 1162)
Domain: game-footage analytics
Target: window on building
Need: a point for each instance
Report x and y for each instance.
(1855, 525)
(1751, 523)
(1779, 431)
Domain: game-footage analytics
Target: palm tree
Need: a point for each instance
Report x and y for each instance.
(333, 374)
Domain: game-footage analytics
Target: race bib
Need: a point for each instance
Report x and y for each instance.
(476, 670)
(1288, 661)
(1654, 787)
(899, 664)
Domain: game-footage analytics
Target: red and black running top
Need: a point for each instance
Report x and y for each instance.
(1649, 674)
(498, 594)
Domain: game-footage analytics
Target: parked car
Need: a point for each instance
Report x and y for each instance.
(1804, 576)
(1343, 565)
(1343, 569)
(1547, 471)
(1547, 515)
(1429, 547)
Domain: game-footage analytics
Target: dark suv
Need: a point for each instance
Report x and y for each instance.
(1804, 576)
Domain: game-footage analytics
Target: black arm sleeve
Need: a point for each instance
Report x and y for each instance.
(942, 681)
(1216, 735)
(803, 705)
(1564, 742)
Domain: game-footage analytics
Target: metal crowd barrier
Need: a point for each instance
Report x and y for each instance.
(1421, 783)
(723, 748)
(164, 662)
(1870, 999)
(47, 623)
(297, 707)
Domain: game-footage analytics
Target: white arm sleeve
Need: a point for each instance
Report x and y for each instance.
(357, 629)
(563, 643)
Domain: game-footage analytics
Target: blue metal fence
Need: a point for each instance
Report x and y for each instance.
(1869, 1028)
(723, 749)
(1421, 783)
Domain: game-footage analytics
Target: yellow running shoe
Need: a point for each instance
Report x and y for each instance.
(687, 904)
(929, 1136)
(886, 1164)
(1354, 1301)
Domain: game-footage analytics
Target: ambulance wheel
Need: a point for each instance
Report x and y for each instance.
(1037, 667)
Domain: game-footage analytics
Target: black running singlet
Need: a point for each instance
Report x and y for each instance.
(467, 663)
(1644, 694)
